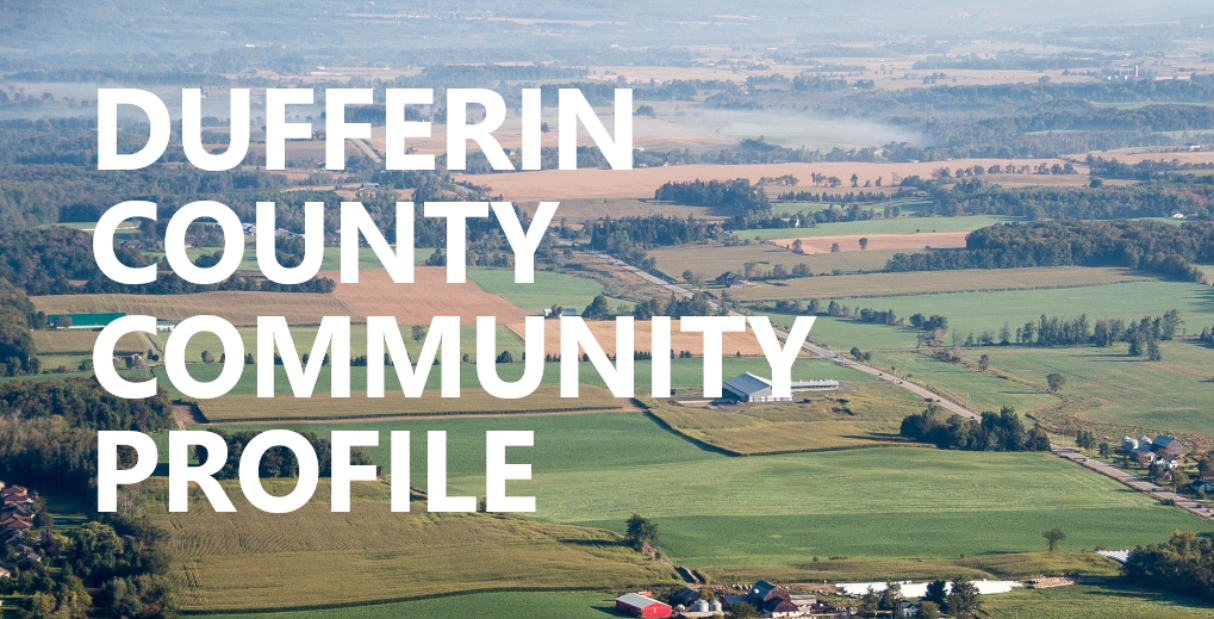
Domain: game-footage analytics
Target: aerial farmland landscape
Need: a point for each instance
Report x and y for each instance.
(980, 234)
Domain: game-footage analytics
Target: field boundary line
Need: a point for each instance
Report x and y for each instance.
(398, 600)
(419, 416)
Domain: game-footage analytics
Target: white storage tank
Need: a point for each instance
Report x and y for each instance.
(700, 606)
(714, 606)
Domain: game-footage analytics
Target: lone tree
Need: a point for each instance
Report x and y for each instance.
(641, 531)
(1053, 537)
(834, 248)
(863, 243)
(418, 333)
(1056, 381)
(207, 357)
(984, 362)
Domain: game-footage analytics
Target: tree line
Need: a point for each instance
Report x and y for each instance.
(1002, 431)
(1159, 248)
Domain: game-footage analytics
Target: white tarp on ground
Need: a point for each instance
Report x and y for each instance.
(1120, 556)
(919, 589)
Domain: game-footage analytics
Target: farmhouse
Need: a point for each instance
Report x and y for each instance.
(638, 605)
(729, 279)
(751, 388)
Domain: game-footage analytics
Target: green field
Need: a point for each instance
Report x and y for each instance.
(686, 375)
(710, 260)
(714, 510)
(901, 225)
(980, 391)
(1112, 601)
(549, 288)
(1106, 390)
(506, 605)
(923, 283)
(987, 311)
(868, 416)
(304, 336)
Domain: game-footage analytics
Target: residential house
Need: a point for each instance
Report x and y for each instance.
(729, 279)
(906, 609)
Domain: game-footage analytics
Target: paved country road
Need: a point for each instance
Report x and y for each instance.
(1138, 483)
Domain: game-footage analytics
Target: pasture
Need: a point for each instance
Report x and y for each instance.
(1114, 394)
(1130, 298)
(934, 283)
(867, 417)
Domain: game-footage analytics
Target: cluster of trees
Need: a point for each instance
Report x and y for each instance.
(278, 462)
(800, 219)
(48, 429)
(1002, 431)
(46, 260)
(737, 194)
(18, 354)
(1159, 248)
(1183, 564)
(700, 304)
(101, 569)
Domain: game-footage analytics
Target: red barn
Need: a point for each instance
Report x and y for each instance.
(640, 606)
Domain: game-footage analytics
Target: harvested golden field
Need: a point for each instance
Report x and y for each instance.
(316, 558)
(851, 242)
(239, 308)
(928, 282)
(604, 332)
(247, 408)
(429, 295)
(642, 182)
(82, 341)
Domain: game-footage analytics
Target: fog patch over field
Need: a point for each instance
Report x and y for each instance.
(814, 131)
